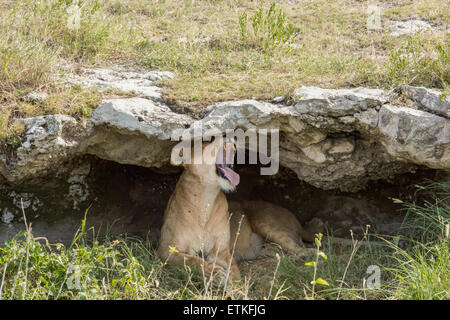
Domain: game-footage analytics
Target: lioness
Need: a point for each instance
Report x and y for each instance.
(253, 222)
(196, 228)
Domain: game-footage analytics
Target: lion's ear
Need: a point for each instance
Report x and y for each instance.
(176, 156)
(181, 155)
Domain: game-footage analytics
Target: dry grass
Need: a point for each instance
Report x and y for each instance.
(127, 268)
(201, 41)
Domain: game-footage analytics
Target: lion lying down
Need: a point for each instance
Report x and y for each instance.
(198, 230)
(255, 221)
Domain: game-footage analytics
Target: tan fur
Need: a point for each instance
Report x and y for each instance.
(204, 231)
(196, 220)
(269, 222)
(276, 224)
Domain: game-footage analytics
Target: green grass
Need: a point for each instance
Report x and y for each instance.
(269, 28)
(128, 268)
(219, 50)
(419, 62)
(422, 273)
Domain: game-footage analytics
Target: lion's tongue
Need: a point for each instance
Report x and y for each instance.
(232, 176)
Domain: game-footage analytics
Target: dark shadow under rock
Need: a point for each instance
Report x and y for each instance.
(126, 199)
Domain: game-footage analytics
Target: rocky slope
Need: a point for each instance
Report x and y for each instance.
(332, 138)
(338, 139)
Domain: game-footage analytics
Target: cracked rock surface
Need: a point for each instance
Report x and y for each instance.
(133, 131)
(141, 83)
(47, 142)
(331, 138)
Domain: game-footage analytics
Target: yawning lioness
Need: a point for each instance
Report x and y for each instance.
(196, 228)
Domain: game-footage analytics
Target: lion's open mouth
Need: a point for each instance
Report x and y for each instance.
(224, 168)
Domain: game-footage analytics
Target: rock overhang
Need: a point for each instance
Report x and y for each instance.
(331, 138)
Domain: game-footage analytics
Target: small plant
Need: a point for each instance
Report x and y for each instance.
(427, 222)
(314, 264)
(14, 141)
(422, 269)
(422, 272)
(243, 25)
(270, 28)
(10, 134)
(420, 63)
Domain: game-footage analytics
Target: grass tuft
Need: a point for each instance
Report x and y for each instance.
(220, 50)
(128, 268)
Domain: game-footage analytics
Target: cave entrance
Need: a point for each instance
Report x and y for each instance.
(127, 199)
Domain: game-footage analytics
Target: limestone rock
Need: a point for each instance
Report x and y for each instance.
(412, 26)
(430, 100)
(133, 131)
(141, 83)
(36, 97)
(331, 138)
(337, 102)
(48, 141)
(341, 139)
(415, 136)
